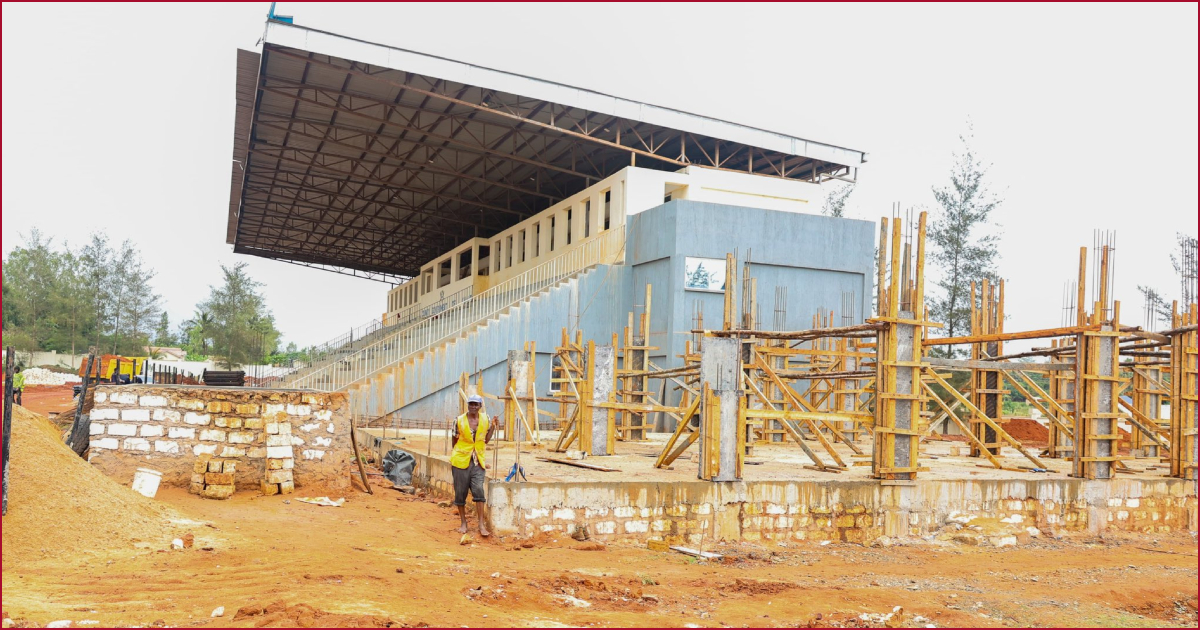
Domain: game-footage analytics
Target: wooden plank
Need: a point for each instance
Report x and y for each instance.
(999, 365)
(707, 555)
(577, 464)
(1013, 336)
(988, 421)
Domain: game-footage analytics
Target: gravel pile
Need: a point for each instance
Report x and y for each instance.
(42, 376)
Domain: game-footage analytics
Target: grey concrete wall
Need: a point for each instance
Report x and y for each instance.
(596, 301)
(817, 258)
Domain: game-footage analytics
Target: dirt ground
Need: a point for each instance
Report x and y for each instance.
(79, 547)
(394, 559)
(48, 399)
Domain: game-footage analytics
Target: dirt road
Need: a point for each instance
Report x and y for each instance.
(394, 559)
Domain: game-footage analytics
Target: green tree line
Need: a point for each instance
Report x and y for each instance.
(66, 299)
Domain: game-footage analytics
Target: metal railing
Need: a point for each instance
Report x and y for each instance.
(360, 337)
(395, 347)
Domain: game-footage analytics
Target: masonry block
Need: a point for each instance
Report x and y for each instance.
(105, 443)
(278, 476)
(310, 454)
(100, 397)
(287, 487)
(104, 414)
(269, 489)
(279, 452)
(192, 405)
(246, 409)
(274, 464)
(279, 440)
(122, 429)
(217, 492)
(123, 398)
(232, 451)
(135, 415)
(166, 446)
(637, 527)
(252, 423)
(299, 410)
(152, 430)
(204, 449)
(196, 418)
(184, 433)
(96, 428)
(241, 437)
(212, 435)
(217, 479)
(136, 444)
(152, 401)
(288, 464)
(167, 415)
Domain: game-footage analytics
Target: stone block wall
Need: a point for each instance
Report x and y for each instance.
(168, 427)
(860, 512)
(692, 512)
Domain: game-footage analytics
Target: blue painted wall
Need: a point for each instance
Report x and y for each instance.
(817, 258)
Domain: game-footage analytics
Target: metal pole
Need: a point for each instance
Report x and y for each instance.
(8, 404)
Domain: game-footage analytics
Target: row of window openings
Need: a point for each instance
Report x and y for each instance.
(444, 270)
(517, 242)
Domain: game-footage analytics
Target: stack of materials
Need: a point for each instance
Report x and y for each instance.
(280, 460)
(42, 376)
(212, 478)
(217, 378)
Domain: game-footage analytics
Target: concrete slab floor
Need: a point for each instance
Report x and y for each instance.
(782, 462)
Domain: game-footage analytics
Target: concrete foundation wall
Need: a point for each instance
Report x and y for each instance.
(700, 512)
(166, 427)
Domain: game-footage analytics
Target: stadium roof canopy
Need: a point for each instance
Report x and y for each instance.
(372, 160)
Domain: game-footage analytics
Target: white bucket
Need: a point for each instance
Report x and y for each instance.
(145, 482)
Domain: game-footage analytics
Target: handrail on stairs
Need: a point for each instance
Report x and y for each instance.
(607, 247)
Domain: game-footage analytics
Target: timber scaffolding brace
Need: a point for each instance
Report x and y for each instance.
(740, 387)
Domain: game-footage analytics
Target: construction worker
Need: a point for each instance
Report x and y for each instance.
(18, 385)
(474, 430)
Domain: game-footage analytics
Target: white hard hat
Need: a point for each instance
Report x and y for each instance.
(475, 399)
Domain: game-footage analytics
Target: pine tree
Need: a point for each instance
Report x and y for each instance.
(835, 201)
(961, 248)
(242, 329)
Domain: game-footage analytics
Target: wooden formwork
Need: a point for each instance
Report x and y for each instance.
(1183, 393)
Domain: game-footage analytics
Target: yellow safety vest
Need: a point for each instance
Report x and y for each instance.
(461, 457)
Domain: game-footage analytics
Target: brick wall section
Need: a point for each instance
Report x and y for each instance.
(166, 427)
(859, 512)
(689, 512)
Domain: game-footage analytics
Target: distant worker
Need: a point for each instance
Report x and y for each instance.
(18, 385)
(474, 430)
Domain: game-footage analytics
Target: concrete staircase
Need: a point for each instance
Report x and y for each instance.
(462, 319)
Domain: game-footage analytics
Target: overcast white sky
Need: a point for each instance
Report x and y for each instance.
(120, 118)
